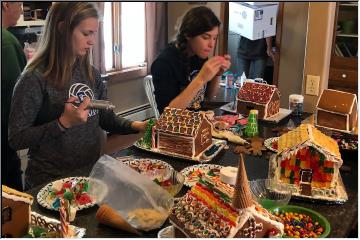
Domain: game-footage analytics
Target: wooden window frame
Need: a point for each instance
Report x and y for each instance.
(118, 72)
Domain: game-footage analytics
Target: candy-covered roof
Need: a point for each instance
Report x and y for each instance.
(336, 101)
(257, 92)
(180, 121)
(304, 133)
(15, 195)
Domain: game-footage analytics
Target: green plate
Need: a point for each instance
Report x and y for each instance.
(316, 217)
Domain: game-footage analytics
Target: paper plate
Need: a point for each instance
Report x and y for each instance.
(168, 232)
(44, 195)
(153, 168)
(315, 216)
(192, 173)
(268, 143)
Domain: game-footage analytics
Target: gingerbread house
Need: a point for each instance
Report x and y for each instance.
(308, 161)
(209, 210)
(337, 110)
(15, 212)
(182, 132)
(262, 97)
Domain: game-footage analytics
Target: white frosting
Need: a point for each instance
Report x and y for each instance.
(228, 175)
(17, 198)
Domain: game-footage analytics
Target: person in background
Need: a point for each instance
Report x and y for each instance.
(12, 63)
(252, 56)
(183, 74)
(49, 113)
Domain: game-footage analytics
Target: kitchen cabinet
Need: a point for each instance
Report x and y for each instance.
(34, 13)
(343, 74)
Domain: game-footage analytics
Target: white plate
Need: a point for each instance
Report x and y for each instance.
(190, 176)
(268, 143)
(168, 232)
(37, 219)
(229, 107)
(42, 196)
(283, 113)
(142, 166)
(202, 157)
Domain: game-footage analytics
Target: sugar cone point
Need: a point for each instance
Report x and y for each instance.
(242, 195)
(108, 216)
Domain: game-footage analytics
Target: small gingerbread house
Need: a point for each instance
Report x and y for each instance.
(208, 210)
(337, 110)
(262, 97)
(309, 161)
(15, 212)
(182, 132)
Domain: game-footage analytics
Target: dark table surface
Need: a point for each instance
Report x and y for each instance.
(342, 218)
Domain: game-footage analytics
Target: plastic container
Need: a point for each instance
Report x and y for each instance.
(296, 104)
(229, 81)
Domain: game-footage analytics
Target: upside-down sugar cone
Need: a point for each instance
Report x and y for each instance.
(242, 194)
(108, 216)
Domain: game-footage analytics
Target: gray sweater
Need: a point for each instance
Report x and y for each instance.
(36, 106)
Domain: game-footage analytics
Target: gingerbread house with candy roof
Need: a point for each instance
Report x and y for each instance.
(182, 132)
(308, 161)
(262, 97)
(209, 210)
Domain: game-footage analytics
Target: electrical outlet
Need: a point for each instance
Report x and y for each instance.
(312, 85)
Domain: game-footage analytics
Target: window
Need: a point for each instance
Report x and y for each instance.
(124, 37)
(6, 214)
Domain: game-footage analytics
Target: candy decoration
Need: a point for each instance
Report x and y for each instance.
(251, 129)
(299, 225)
(64, 218)
(56, 203)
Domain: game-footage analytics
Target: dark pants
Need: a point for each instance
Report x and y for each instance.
(253, 68)
(10, 167)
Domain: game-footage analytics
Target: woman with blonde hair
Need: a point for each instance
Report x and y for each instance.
(49, 113)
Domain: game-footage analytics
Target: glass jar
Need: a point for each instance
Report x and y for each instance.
(296, 104)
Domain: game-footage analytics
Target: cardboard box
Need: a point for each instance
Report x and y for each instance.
(252, 22)
(261, 3)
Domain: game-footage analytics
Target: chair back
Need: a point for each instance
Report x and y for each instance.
(149, 89)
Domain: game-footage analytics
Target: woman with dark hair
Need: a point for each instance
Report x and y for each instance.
(49, 112)
(183, 74)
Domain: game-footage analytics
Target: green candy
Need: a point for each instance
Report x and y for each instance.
(85, 186)
(68, 195)
(37, 231)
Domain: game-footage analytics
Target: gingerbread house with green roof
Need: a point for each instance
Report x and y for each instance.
(308, 161)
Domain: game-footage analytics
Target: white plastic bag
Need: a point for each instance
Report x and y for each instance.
(143, 203)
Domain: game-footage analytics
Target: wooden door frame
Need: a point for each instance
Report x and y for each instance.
(223, 37)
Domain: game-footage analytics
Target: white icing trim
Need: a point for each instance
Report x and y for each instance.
(337, 113)
(17, 198)
(333, 90)
(336, 129)
(278, 225)
(241, 100)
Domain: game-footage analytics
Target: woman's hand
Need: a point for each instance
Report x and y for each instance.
(225, 65)
(139, 126)
(74, 116)
(210, 68)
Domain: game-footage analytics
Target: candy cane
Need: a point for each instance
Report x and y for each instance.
(64, 230)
